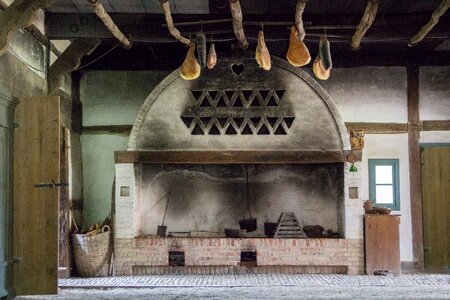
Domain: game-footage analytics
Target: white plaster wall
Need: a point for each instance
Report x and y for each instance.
(392, 146)
(438, 137)
(434, 93)
(369, 94)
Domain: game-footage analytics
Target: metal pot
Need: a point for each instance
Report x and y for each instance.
(248, 224)
(269, 228)
(161, 231)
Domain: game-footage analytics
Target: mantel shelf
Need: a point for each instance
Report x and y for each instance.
(229, 157)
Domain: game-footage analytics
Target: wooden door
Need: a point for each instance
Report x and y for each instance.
(436, 206)
(35, 212)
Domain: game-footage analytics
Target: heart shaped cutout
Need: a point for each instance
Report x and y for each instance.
(237, 69)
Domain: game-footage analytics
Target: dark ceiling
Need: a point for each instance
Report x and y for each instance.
(386, 42)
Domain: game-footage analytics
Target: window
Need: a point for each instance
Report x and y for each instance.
(384, 183)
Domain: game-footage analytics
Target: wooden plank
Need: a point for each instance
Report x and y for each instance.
(36, 160)
(64, 252)
(378, 128)
(414, 164)
(229, 157)
(436, 206)
(77, 108)
(436, 125)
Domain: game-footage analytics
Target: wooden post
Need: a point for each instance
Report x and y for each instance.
(298, 19)
(414, 164)
(109, 23)
(369, 16)
(18, 15)
(439, 12)
(238, 28)
(172, 29)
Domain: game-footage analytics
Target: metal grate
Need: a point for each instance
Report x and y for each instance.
(176, 258)
(233, 112)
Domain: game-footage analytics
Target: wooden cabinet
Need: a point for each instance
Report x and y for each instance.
(382, 243)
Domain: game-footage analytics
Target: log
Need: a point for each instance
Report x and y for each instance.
(299, 20)
(238, 28)
(18, 15)
(365, 23)
(172, 29)
(439, 12)
(109, 23)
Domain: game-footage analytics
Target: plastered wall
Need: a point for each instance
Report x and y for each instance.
(109, 98)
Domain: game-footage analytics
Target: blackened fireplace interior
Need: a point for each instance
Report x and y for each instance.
(202, 200)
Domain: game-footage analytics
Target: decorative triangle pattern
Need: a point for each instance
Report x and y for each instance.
(239, 112)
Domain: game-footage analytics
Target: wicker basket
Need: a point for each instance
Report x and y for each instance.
(91, 253)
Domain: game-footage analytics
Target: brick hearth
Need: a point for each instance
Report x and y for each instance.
(223, 255)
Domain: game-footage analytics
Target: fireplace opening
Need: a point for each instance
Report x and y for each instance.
(248, 259)
(205, 200)
(176, 258)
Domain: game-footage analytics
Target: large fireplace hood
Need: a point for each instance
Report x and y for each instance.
(187, 144)
(238, 113)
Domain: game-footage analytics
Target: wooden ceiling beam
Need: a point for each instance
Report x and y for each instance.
(365, 23)
(169, 21)
(68, 61)
(299, 9)
(72, 26)
(18, 15)
(109, 23)
(437, 14)
(238, 28)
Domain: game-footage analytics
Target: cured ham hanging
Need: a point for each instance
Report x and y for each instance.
(190, 69)
(262, 53)
(200, 40)
(212, 57)
(319, 70)
(297, 54)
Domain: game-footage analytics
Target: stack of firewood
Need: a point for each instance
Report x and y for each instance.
(317, 231)
(94, 229)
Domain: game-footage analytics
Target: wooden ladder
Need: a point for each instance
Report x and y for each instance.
(288, 227)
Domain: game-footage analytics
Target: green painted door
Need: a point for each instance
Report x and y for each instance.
(436, 206)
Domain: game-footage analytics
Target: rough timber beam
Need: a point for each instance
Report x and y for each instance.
(68, 61)
(172, 29)
(365, 23)
(412, 79)
(299, 19)
(18, 15)
(109, 23)
(238, 28)
(439, 12)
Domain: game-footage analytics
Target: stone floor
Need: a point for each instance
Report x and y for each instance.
(255, 286)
